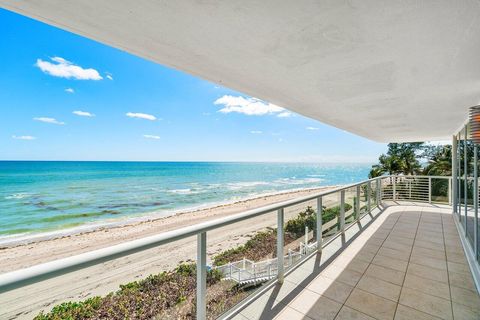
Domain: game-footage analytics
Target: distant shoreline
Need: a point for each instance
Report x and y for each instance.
(22, 239)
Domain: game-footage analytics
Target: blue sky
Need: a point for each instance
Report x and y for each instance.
(64, 97)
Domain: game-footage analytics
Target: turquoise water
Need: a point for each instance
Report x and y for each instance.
(45, 196)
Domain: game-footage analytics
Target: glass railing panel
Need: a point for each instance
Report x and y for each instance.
(155, 283)
(349, 206)
(440, 190)
(243, 255)
(331, 215)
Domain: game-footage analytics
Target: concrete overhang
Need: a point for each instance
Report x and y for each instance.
(385, 70)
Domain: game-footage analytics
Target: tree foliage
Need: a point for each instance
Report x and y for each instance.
(407, 158)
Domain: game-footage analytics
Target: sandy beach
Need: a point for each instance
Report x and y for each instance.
(104, 278)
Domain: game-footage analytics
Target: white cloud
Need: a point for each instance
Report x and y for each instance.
(24, 137)
(248, 106)
(311, 128)
(49, 120)
(66, 69)
(256, 132)
(69, 90)
(141, 116)
(83, 113)
(150, 136)
(284, 114)
(108, 76)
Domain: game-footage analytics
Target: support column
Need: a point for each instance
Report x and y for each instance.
(280, 242)
(465, 172)
(202, 276)
(454, 174)
(342, 211)
(475, 200)
(319, 224)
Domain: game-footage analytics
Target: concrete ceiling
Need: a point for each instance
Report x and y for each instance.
(383, 69)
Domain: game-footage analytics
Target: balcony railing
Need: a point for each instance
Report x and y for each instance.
(355, 201)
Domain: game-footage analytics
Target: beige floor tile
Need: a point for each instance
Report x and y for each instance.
(429, 262)
(316, 306)
(346, 276)
(372, 305)
(465, 297)
(385, 274)
(407, 313)
(425, 237)
(431, 287)
(366, 255)
(426, 303)
(397, 246)
(429, 245)
(405, 241)
(427, 272)
(458, 267)
(458, 257)
(461, 312)
(380, 288)
(334, 290)
(291, 314)
(437, 254)
(358, 265)
(392, 253)
(391, 263)
(462, 280)
(347, 313)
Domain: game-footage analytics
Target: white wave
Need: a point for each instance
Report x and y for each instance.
(186, 191)
(250, 184)
(294, 181)
(18, 196)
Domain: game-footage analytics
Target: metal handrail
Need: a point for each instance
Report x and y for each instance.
(20, 278)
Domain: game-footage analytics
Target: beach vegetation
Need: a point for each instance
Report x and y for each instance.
(167, 295)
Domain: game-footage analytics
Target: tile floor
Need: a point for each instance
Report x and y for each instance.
(407, 263)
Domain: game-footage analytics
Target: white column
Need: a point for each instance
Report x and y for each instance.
(201, 276)
(319, 223)
(454, 174)
(280, 240)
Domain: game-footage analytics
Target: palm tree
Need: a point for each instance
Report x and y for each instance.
(401, 158)
(440, 163)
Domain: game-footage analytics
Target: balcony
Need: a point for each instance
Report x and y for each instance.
(386, 248)
(403, 262)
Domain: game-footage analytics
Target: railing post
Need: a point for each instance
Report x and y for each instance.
(230, 267)
(369, 191)
(290, 257)
(342, 211)
(378, 191)
(280, 240)
(450, 181)
(306, 238)
(394, 194)
(319, 224)
(380, 195)
(357, 203)
(429, 189)
(201, 276)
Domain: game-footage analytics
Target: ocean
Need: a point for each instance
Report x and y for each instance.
(43, 196)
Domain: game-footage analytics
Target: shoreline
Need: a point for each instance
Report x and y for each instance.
(10, 241)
